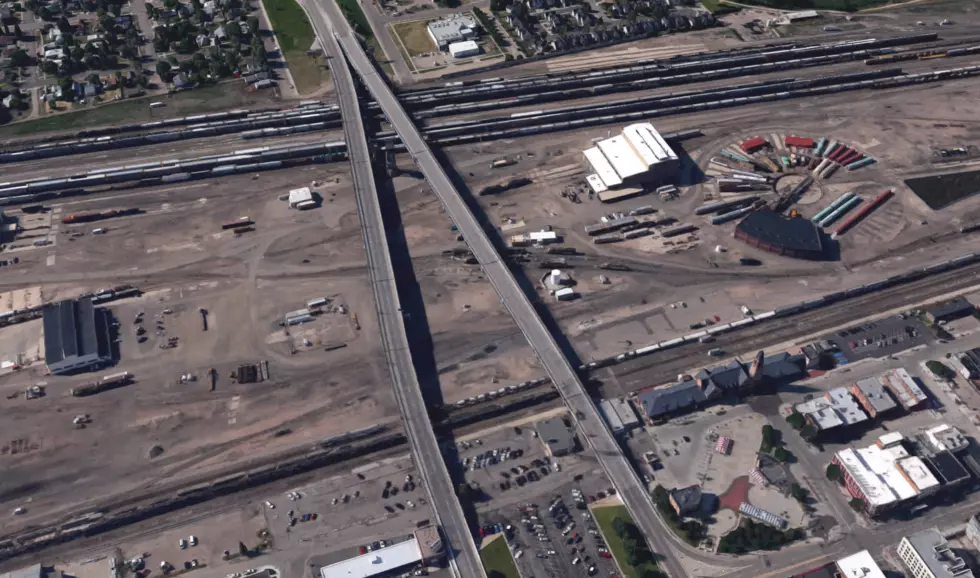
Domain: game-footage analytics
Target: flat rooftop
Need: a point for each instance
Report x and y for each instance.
(373, 563)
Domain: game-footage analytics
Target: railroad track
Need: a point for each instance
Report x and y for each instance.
(663, 366)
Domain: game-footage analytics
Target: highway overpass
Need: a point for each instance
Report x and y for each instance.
(464, 558)
(592, 428)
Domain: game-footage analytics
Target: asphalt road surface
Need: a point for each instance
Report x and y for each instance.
(425, 448)
(593, 428)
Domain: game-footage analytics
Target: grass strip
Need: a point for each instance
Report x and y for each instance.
(296, 36)
(604, 516)
(497, 560)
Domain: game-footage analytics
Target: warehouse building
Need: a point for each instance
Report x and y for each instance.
(464, 49)
(384, 562)
(885, 474)
(905, 389)
(639, 155)
(835, 408)
(771, 232)
(619, 415)
(945, 438)
(873, 397)
(926, 554)
(950, 311)
(76, 337)
(301, 198)
(558, 438)
(455, 28)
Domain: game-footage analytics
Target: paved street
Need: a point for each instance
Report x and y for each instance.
(466, 561)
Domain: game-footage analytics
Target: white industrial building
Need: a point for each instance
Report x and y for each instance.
(403, 555)
(455, 28)
(638, 155)
(904, 387)
(301, 198)
(619, 414)
(885, 474)
(464, 49)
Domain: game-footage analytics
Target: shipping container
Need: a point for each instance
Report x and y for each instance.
(753, 144)
(860, 215)
(801, 142)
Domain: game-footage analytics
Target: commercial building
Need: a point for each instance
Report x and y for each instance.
(969, 363)
(712, 383)
(619, 415)
(772, 232)
(860, 565)
(885, 474)
(927, 555)
(764, 516)
(383, 562)
(76, 336)
(905, 389)
(301, 198)
(686, 501)
(464, 49)
(973, 530)
(558, 438)
(452, 29)
(950, 311)
(639, 155)
(835, 408)
(873, 397)
(945, 438)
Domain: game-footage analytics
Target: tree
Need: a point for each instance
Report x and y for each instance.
(858, 505)
(940, 370)
(769, 438)
(796, 420)
(19, 58)
(93, 79)
(242, 549)
(17, 31)
(48, 67)
(799, 493)
(833, 473)
(781, 454)
(64, 25)
(163, 69)
(619, 526)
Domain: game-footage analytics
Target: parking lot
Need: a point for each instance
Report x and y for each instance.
(881, 338)
(555, 535)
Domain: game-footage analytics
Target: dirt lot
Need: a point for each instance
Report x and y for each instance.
(892, 126)
(177, 253)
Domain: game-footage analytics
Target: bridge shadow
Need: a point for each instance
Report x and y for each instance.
(419, 332)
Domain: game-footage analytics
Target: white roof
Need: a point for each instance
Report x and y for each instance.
(464, 46)
(622, 157)
(834, 409)
(860, 565)
(917, 472)
(565, 291)
(596, 183)
(602, 167)
(300, 195)
(648, 144)
(890, 438)
(374, 563)
(543, 235)
(624, 410)
(876, 471)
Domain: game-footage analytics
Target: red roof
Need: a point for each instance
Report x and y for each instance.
(797, 141)
(753, 144)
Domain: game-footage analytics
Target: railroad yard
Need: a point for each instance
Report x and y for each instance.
(241, 321)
